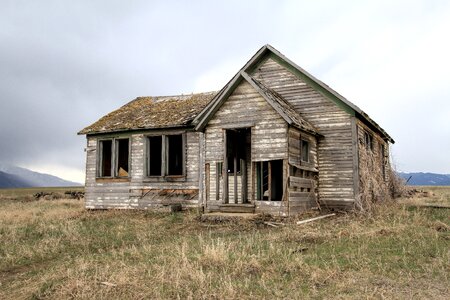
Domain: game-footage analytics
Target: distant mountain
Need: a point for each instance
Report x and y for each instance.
(426, 178)
(12, 181)
(12, 176)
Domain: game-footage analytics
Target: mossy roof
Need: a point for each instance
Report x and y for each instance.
(152, 112)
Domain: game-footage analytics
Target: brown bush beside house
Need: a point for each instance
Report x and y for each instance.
(274, 139)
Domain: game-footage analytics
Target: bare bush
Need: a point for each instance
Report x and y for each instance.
(378, 183)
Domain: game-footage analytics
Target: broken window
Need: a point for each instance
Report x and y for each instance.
(105, 158)
(155, 155)
(368, 140)
(122, 155)
(113, 158)
(304, 150)
(175, 155)
(165, 156)
(269, 180)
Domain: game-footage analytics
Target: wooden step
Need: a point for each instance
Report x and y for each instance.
(237, 208)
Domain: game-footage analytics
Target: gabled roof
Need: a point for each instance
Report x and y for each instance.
(152, 112)
(268, 51)
(284, 109)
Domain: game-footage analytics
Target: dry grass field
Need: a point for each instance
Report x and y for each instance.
(56, 249)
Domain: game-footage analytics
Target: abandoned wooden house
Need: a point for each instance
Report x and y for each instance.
(274, 139)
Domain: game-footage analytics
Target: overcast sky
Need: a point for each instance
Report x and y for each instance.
(64, 64)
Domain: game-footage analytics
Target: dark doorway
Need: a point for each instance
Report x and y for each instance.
(238, 155)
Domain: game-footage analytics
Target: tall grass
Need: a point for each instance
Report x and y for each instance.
(56, 249)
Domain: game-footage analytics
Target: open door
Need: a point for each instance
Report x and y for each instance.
(236, 166)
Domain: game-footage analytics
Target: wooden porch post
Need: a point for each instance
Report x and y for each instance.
(225, 169)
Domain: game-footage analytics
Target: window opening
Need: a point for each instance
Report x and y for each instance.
(154, 155)
(368, 140)
(269, 180)
(305, 150)
(175, 155)
(106, 158)
(122, 148)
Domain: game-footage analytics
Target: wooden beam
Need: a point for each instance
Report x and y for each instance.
(218, 169)
(243, 180)
(269, 183)
(183, 155)
(235, 179)
(164, 151)
(201, 162)
(208, 182)
(225, 169)
(314, 219)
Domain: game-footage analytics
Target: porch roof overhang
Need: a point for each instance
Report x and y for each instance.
(276, 101)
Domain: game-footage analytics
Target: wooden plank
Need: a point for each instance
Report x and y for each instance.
(300, 182)
(235, 179)
(225, 169)
(309, 195)
(315, 219)
(164, 154)
(355, 153)
(218, 181)
(208, 182)
(244, 180)
(243, 124)
(269, 185)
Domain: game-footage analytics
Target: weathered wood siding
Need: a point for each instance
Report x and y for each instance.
(140, 191)
(102, 194)
(245, 107)
(334, 150)
(295, 136)
(302, 189)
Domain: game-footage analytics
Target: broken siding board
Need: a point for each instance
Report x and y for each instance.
(329, 119)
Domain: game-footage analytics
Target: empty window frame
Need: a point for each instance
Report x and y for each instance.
(269, 180)
(175, 161)
(122, 157)
(114, 158)
(368, 140)
(383, 159)
(304, 146)
(155, 157)
(166, 155)
(105, 158)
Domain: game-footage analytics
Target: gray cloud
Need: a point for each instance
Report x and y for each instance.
(65, 64)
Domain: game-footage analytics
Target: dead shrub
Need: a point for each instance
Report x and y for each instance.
(378, 183)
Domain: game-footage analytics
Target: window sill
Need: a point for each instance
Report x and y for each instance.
(112, 179)
(172, 178)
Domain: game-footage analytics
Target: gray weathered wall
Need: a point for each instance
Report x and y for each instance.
(268, 133)
(334, 150)
(140, 191)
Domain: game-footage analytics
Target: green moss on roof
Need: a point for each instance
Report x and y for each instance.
(152, 112)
